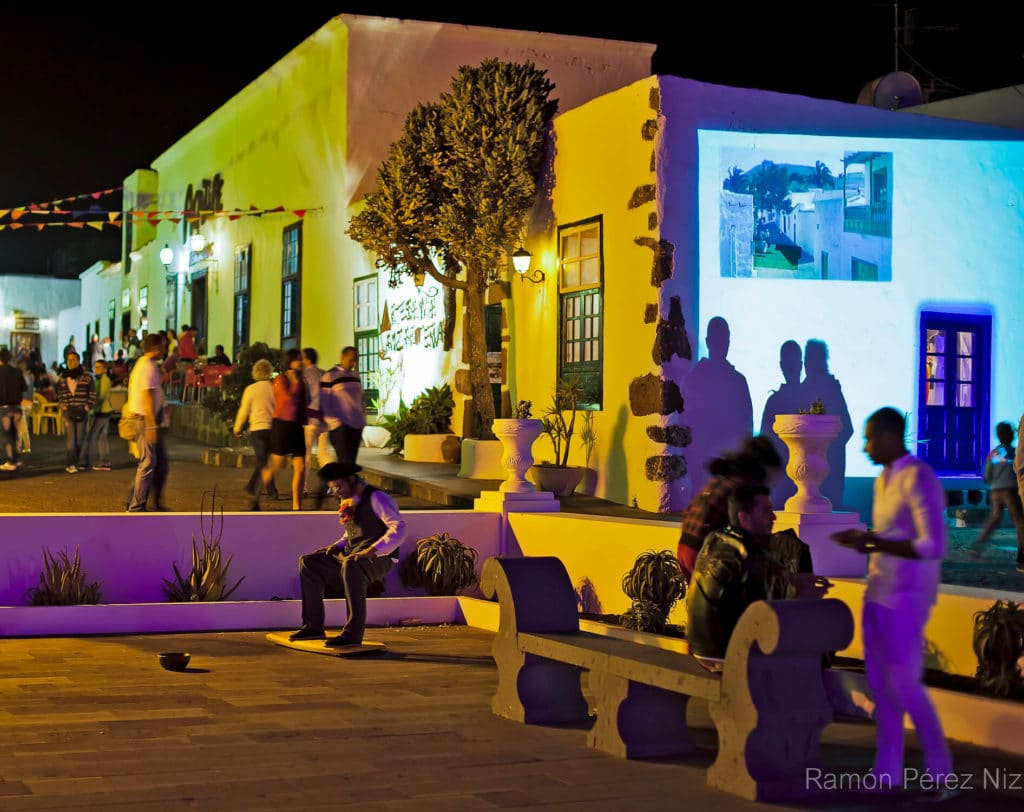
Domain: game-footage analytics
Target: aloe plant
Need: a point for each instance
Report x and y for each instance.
(441, 564)
(655, 577)
(63, 582)
(208, 579)
(999, 645)
(644, 616)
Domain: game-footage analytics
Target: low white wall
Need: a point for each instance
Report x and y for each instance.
(132, 553)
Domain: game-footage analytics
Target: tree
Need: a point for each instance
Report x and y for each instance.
(453, 195)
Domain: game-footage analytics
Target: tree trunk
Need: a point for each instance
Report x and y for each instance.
(476, 354)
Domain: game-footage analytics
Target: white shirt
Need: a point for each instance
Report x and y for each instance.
(909, 503)
(311, 375)
(387, 511)
(257, 407)
(145, 375)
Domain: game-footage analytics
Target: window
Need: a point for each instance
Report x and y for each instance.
(824, 264)
(111, 315)
(580, 287)
(242, 283)
(291, 290)
(144, 298)
(366, 321)
(862, 271)
(171, 301)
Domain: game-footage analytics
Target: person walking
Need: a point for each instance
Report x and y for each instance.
(27, 405)
(96, 447)
(147, 410)
(75, 396)
(286, 429)
(257, 409)
(316, 429)
(365, 553)
(1002, 493)
(344, 409)
(12, 387)
(905, 548)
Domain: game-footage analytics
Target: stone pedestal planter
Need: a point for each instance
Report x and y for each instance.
(517, 436)
(807, 436)
(560, 481)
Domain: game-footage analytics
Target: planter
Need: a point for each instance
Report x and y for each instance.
(517, 436)
(560, 481)
(807, 436)
(482, 459)
(431, 448)
(375, 436)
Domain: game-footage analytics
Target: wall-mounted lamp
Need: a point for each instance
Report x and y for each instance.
(521, 262)
(135, 256)
(166, 256)
(197, 242)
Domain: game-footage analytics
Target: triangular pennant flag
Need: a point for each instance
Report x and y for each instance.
(279, 208)
(233, 217)
(77, 225)
(17, 225)
(17, 213)
(33, 207)
(385, 320)
(39, 226)
(61, 211)
(4, 212)
(3, 226)
(113, 215)
(174, 220)
(96, 195)
(300, 213)
(97, 225)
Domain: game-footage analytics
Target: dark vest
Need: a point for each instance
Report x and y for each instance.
(366, 526)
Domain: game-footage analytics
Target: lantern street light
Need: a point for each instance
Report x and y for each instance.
(521, 262)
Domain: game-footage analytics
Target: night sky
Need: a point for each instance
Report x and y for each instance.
(93, 91)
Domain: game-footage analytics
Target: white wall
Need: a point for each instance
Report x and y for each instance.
(40, 296)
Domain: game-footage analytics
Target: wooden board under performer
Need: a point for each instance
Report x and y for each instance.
(321, 647)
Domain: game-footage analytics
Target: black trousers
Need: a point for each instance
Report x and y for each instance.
(321, 571)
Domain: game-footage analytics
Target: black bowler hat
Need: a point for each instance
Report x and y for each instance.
(338, 470)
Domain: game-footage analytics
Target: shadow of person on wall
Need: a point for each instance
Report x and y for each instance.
(820, 384)
(787, 399)
(717, 405)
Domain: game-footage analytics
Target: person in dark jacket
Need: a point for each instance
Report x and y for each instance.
(76, 395)
(734, 569)
(365, 553)
(12, 387)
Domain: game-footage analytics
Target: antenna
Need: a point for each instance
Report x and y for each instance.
(891, 92)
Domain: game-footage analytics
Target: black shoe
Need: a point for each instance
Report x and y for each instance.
(342, 640)
(306, 633)
(254, 505)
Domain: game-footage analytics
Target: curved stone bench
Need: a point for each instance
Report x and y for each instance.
(768, 704)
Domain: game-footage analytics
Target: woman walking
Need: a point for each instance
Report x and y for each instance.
(287, 435)
(257, 409)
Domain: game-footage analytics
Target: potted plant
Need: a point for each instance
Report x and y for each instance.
(63, 582)
(422, 432)
(559, 477)
(999, 647)
(807, 435)
(208, 578)
(655, 583)
(440, 564)
(517, 435)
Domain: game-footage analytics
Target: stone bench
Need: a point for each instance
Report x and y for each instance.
(768, 704)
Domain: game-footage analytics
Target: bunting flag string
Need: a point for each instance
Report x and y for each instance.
(146, 216)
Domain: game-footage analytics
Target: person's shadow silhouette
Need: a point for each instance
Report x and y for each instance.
(820, 384)
(717, 405)
(787, 399)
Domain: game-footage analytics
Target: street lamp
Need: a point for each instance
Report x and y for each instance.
(521, 262)
(166, 256)
(197, 242)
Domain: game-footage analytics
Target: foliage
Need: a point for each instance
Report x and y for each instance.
(588, 436)
(568, 393)
(523, 410)
(384, 381)
(455, 191)
(999, 645)
(224, 402)
(441, 564)
(208, 578)
(63, 582)
(644, 616)
(656, 578)
(430, 413)
(817, 407)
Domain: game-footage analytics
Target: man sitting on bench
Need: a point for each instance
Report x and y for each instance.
(365, 553)
(733, 570)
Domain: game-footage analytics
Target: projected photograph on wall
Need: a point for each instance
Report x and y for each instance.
(806, 213)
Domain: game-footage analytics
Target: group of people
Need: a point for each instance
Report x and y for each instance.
(731, 558)
(304, 412)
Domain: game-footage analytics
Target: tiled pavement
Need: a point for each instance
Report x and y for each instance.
(95, 723)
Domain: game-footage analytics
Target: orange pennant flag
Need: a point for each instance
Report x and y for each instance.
(17, 213)
(39, 226)
(174, 220)
(77, 225)
(17, 225)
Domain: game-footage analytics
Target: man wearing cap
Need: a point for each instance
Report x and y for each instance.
(365, 553)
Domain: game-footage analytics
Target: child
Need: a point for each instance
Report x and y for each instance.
(1002, 493)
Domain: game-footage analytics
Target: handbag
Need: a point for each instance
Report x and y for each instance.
(76, 414)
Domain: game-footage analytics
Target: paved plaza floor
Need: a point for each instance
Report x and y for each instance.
(95, 723)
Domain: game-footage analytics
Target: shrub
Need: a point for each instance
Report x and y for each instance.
(224, 402)
(656, 578)
(430, 413)
(441, 564)
(208, 578)
(998, 645)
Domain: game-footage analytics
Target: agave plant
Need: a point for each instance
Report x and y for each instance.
(657, 578)
(999, 645)
(208, 578)
(63, 582)
(441, 564)
(644, 616)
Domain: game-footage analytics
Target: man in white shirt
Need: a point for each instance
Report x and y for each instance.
(147, 409)
(906, 546)
(365, 553)
(343, 409)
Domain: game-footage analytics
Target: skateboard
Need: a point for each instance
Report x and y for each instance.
(321, 647)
